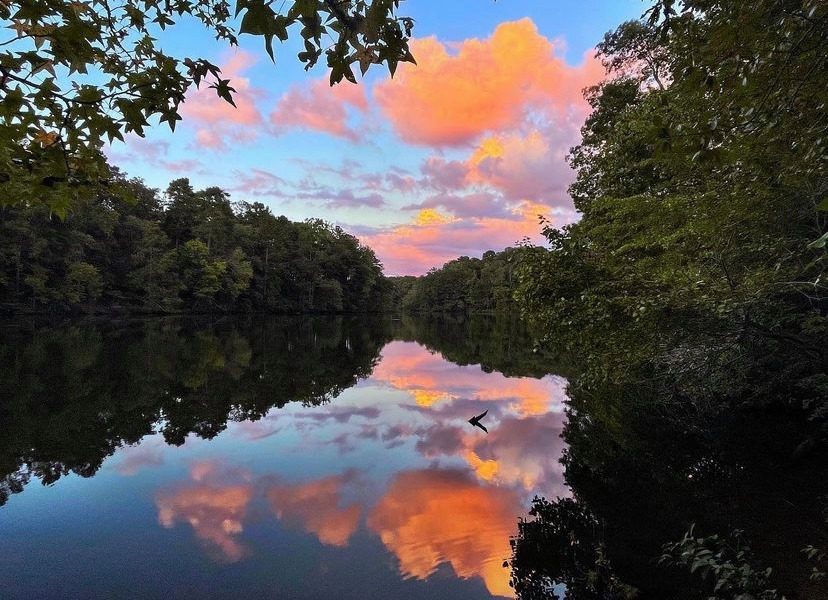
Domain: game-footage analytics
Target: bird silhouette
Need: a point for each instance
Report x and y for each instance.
(475, 421)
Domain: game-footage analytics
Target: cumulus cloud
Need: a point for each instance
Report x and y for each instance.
(456, 94)
(525, 167)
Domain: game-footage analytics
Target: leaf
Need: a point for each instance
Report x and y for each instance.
(819, 242)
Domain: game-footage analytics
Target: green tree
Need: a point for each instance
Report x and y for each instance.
(83, 283)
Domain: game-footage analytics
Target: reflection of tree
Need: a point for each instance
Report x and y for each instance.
(643, 471)
(70, 396)
(495, 342)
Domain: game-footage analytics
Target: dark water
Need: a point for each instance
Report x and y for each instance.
(282, 457)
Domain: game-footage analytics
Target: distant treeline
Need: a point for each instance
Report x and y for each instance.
(470, 285)
(133, 249)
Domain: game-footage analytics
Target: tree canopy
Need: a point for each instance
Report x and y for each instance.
(74, 75)
(465, 285)
(131, 249)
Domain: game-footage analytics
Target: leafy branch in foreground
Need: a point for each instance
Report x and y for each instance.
(74, 75)
(725, 563)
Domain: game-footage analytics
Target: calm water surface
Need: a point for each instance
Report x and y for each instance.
(283, 457)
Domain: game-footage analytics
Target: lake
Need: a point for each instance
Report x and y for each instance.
(290, 457)
(332, 457)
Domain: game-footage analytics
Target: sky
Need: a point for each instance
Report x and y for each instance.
(454, 156)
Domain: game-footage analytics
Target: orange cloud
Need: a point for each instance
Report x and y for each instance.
(315, 507)
(214, 512)
(453, 95)
(320, 107)
(431, 517)
(216, 120)
(526, 167)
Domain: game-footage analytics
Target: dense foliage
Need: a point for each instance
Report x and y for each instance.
(697, 263)
(76, 74)
(464, 285)
(130, 249)
(691, 301)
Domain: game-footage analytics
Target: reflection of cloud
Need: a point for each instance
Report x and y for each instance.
(522, 452)
(430, 378)
(315, 507)
(148, 453)
(431, 517)
(214, 512)
(340, 414)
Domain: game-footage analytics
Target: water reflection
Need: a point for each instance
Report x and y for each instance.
(304, 456)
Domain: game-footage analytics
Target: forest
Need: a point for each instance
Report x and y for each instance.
(131, 249)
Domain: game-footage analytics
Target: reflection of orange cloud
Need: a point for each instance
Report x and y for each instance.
(315, 506)
(529, 396)
(485, 469)
(450, 98)
(518, 453)
(430, 517)
(428, 377)
(429, 398)
(214, 512)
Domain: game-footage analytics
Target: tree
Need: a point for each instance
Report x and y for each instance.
(76, 74)
(83, 283)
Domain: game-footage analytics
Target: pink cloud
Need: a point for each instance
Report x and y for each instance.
(216, 120)
(413, 248)
(320, 107)
(259, 182)
(527, 167)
